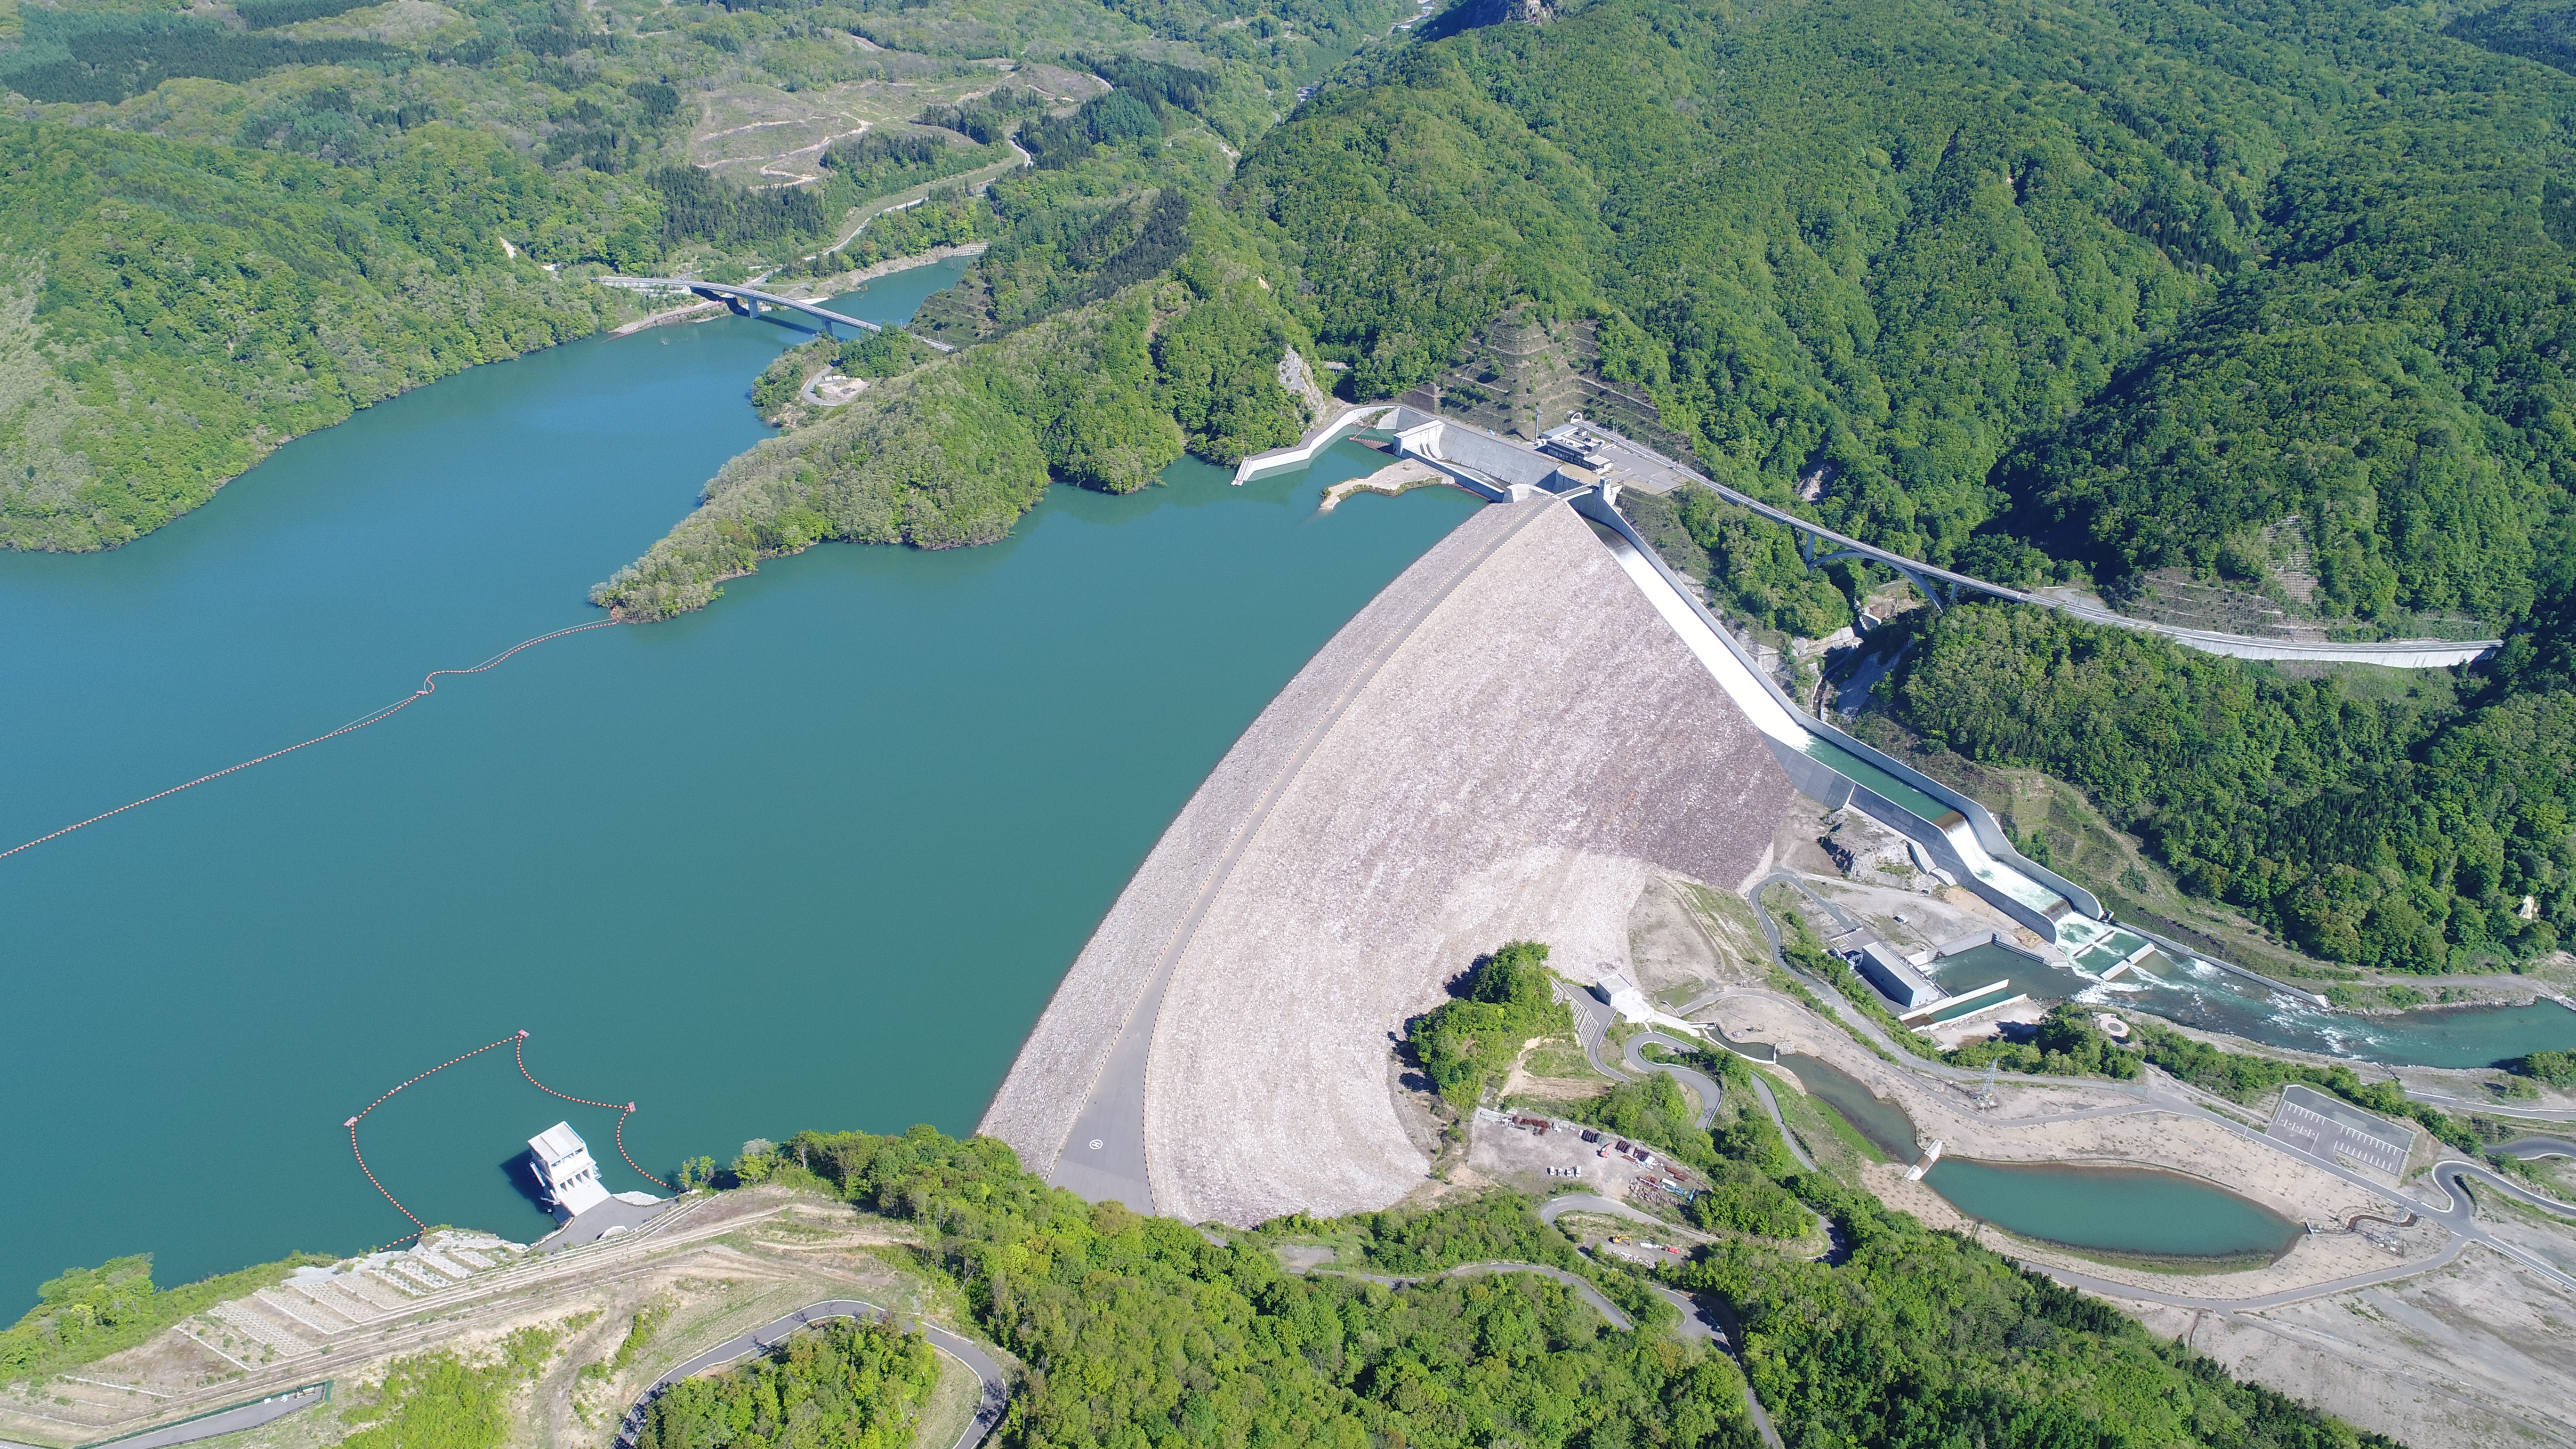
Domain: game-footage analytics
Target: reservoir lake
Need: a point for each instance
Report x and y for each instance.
(814, 857)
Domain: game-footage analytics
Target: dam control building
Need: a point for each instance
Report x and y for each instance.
(566, 1172)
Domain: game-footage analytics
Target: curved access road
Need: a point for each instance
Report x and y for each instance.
(2394, 653)
(1708, 1092)
(1582, 1289)
(988, 1412)
(2532, 1149)
(1702, 1319)
(1588, 1202)
(1709, 1319)
(2551, 1115)
(1788, 1139)
(2450, 1176)
(224, 1421)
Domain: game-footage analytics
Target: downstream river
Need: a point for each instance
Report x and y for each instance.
(812, 858)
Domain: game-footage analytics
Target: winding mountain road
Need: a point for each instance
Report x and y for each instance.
(1708, 1091)
(2450, 1176)
(988, 1412)
(1583, 1290)
(2392, 653)
(1704, 1319)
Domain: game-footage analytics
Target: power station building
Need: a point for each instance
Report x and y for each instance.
(565, 1171)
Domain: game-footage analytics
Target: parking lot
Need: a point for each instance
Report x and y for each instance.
(2322, 1127)
(1513, 1150)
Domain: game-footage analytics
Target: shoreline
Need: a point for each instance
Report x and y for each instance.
(264, 448)
(812, 290)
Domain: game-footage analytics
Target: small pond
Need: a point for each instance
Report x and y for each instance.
(2139, 1213)
(2128, 1212)
(1883, 1123)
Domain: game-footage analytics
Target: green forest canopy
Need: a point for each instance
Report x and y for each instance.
(223, 235)
(2079, 291)
(2121, 289)
(2399, 831)
(844, 1384)
(1506, 999)
(1148, 1330)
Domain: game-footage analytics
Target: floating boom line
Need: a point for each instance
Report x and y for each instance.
(428, 687)
(517, 1043)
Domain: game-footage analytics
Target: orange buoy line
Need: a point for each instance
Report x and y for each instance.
(418, 1227)
(517, 1043)
(631, 1162)
(428, 686)
(623, 1112)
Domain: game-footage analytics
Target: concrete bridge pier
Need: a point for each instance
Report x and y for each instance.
(1922, 584)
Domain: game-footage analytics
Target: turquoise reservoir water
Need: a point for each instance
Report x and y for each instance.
(2204, 997)
(2213, 1000)
(1883, 1123)
(813, 857)
(2129, 1211)
(2124, 1210)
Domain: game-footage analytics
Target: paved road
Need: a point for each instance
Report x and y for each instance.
(1704, 1319)
(1592, 1019)
(1708, 1092)
(997, 1388)
(613, 1216)
(1708, 1317)
(2531, 1149)
(224, 1421)
(2491, 1109)
(2395, 653)
(1582, 1289)
(2184, 1101)
(1587, 1202)
(1789, 1139)
(806, 393)
(2455, 1167)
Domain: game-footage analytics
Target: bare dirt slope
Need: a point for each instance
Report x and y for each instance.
(1512, 748)
(2474, 1355)
(719, 1267)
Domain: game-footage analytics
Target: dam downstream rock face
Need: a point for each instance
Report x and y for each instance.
(1508, 742)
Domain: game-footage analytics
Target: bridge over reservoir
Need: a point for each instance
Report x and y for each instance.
(754, 299)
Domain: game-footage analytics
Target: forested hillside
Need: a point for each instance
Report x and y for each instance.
(175, 310)
(2279, 298)
(2068, 291)
(1145, 1330)
(952, 452)
(228, 227)
(2397, 831)
(2021, 289)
